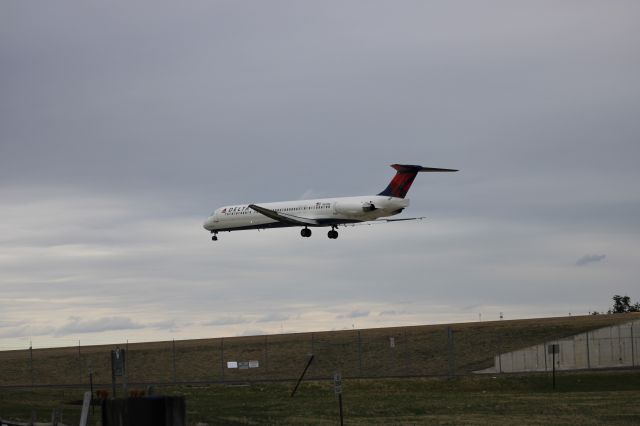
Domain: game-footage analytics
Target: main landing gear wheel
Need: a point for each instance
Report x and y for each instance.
(333, 234)
(305, 232)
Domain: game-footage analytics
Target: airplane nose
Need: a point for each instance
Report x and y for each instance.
(207, 224)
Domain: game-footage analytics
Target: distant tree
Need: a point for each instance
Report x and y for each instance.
(622, 305)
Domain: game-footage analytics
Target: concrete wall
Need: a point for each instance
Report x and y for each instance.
(609, 347)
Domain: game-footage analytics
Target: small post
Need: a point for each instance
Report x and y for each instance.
(174, 360)
(360, 353)
(406, 352)
(588, 353)
(266, 353)
(91, 388)
(125, 369)
(452, 364)
(337, 387)
(553, 349)
(554, 369)
(79, 362)
(113, 377)
(222, 358)
(633, 352)
(31, 362)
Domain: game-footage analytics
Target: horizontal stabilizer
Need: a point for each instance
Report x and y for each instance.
(283, 217)
(411, 168)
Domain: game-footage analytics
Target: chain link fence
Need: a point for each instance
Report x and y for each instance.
(390, 352)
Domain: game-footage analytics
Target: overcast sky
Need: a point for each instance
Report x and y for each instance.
(124, 124)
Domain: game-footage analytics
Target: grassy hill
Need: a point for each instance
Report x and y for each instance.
(417, 351)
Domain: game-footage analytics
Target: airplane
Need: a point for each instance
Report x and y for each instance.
(324, 212)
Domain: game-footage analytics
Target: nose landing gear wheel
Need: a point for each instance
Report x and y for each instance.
(305, 232)
(333, 234)
(214, 237)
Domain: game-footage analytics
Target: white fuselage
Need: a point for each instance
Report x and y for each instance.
(327, 211)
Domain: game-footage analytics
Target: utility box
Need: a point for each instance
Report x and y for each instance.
(147, 411)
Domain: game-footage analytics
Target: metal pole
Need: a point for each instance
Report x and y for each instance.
(633, 352)
(359, 353)
(340, 403)
(79, 362)
(113, 376)
(452, 365)
(91, 387)
(588, 352)
(554, 366)
(125, 373)
(266, 353)
(406, 352)
(31, 362)
(222, 358)
(174, 360)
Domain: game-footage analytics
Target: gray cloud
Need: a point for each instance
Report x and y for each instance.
(275, 316)
(590, 258)
(120, 132)
(226, 321)
(77, 325)
(252, 332)
(355, 314)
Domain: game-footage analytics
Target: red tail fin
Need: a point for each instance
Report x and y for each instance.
(406, 173)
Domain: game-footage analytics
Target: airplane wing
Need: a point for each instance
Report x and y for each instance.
(285, 218)
(381, 221)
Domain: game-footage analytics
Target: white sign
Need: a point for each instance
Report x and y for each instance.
(392, 342)
(254, 364)
(337, 382)
(232, 364)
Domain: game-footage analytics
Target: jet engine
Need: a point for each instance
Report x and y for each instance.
(354, 207)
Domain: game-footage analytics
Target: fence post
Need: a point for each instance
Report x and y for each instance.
(360, 353)
(588, 352)
(406, 353)
(266, 353)
(31, 362)
(222, 358)
(633, 351)
(79, 362)
(173, 350)
(451, 353)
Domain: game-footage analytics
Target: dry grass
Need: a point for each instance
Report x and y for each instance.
(419, 351)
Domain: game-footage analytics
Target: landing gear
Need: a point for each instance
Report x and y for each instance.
(333, 234)
(214, 237)
(305, 232)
